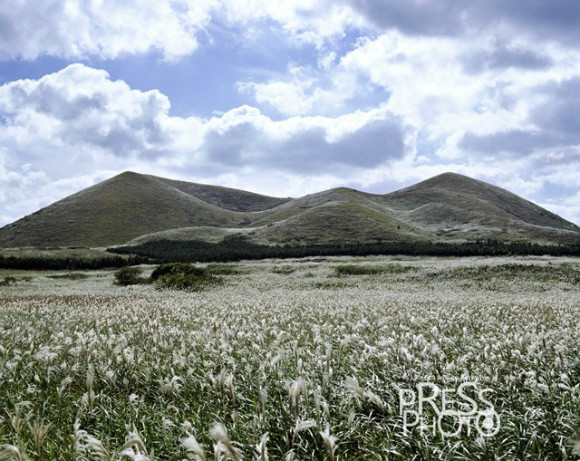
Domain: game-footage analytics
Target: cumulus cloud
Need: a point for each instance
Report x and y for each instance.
(105, 28)
(109, 28)
(559, 113)
(78, 121)
(305, 21)
(81, 108)
(305, 149)
(306, 91)
(501, 55)
(552, 133)
(173, 28)
(512, 141)
(552, 21)
(430, 17)
(432, 89)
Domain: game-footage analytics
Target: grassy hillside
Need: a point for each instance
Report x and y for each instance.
(130, 206)
(113, 212)
(336, 222)
(452, 206)
(461, 191)
(224, 197)
(202, 233)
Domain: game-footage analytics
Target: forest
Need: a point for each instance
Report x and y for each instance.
(236, 249)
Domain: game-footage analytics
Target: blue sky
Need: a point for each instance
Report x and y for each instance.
(289, 98)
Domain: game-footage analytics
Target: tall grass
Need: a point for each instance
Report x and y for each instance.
(266, 367)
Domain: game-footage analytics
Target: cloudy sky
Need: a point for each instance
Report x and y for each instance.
(289, 97)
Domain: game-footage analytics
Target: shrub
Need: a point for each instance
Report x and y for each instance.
(223, 269)
(183, 276)
(352, 269)
(283, 270)
(176, 268)
(8, 281)
(69, 276)
(129, 276)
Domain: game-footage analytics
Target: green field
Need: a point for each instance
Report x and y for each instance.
(292, 359)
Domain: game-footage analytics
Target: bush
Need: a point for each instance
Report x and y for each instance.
(177, 269)
(183, 276)
(69, 276)
(222, 269)
(352, 269)
(8, 281)
(285, 270)
(129, 276)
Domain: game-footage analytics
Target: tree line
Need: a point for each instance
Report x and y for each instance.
(235, 249)
(67, 262)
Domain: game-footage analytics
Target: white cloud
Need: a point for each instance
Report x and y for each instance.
(79, 111)
(569, 209)
(104, 28)
(289, 98)
(309, 91)
(69, 124)
(109, 28)
(435, 86)
(305, 21)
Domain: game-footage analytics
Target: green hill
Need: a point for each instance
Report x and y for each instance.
(453, 206)
(136, 208)
(336, 222)
(113, 212)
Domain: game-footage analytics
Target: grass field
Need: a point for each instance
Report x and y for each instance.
(293, 359)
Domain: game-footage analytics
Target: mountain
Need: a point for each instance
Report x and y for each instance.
(453, 206)
(122, 208)
(134, 207)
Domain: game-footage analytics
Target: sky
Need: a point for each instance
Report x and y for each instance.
(289, 97)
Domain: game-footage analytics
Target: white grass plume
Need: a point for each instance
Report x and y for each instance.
(134, 447)
(262, 447)
(219, 433)
(192, 445)
(353, 386)
(13, 452)
(329, 442)
(97, 446)
(297, 388)
(302, 425)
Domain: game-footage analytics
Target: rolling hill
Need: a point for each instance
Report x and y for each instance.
(135, 208)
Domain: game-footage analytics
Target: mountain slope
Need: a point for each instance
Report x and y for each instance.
(455, 206)
(336, 222)
(463, 192)
(131, 206)
(224, 197)
(113, 212)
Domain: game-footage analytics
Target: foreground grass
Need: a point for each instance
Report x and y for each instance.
(280, 362)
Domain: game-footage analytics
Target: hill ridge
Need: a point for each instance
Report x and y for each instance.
(446, 207)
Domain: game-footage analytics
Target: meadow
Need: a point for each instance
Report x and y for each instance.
(295, 359)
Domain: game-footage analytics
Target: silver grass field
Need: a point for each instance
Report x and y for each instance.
(291, 360)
